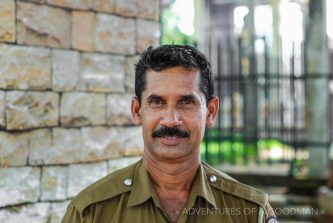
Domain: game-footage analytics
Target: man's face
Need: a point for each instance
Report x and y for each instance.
(173, 113)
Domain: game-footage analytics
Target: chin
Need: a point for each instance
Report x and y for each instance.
(171, 152)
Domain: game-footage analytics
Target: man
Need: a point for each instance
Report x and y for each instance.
(174, 103)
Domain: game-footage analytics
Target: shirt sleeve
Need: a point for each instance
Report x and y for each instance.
(72, 215)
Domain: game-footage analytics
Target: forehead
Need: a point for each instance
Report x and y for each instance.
(173, 80)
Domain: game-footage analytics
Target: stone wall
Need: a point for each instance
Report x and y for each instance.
(66, 81)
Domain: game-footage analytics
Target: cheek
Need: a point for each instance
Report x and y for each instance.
(200, 115)
(150, 120)
(197, 121)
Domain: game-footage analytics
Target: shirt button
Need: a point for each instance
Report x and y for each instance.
(212, 179)
(128, 182)
(272, 220)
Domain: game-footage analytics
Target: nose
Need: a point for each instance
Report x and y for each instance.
(171, 118)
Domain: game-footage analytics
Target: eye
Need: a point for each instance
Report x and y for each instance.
(156, 101)
(187, 101)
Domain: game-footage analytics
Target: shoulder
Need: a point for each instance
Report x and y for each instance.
(106, 188)
(229, 185)
(240, 191)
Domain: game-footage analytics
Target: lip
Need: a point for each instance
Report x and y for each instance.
(171, 141)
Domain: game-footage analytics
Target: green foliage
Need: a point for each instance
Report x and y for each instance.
(170, 31)
(235, 152)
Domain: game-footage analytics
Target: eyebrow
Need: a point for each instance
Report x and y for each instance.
(153, 97)
(187, 97)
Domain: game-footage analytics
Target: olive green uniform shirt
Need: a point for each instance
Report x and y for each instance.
(127, 195)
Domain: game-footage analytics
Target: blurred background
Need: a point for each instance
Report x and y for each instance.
(67, 77)
(272, 62)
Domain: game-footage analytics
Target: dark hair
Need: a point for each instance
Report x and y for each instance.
(167, 56)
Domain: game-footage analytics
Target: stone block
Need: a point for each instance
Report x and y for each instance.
(80, 109)
(66, 146)
(2, 109)
(103, 143)
(37, 1)
(24, 67)
(148, 34)
(100, 143)
(149, 9)
(132, 140)
(58, 210)
(40, 146)
(65, 68)
(103, 5)
(130, 73)
(114, 34)
(13, 149)
(126, 8)
(82, 175)
(54, 183)
(75, 4)
(25, 110)
(82, 30)
(43, 25)
(119, 109)
(30, 213)
(7, 21)
(102, 73)
(19, 185)
(61, 146)
(118, 163)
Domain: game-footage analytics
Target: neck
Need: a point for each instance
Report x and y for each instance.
(175, 174)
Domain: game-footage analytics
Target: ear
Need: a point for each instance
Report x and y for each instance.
(212, 110)
(136, 111)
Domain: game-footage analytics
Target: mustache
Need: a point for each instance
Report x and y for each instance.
(174, 131)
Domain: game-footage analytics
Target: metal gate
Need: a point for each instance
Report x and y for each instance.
(262, 116)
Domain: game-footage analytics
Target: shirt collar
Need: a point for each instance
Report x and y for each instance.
(142, 188)
(201, 188)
